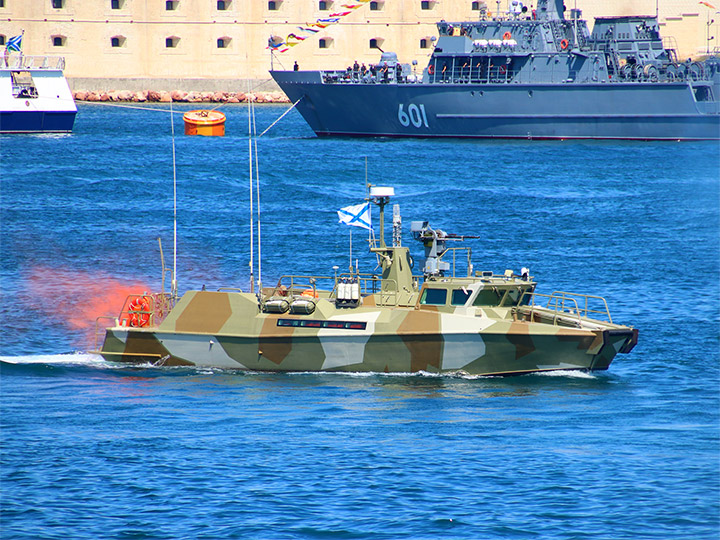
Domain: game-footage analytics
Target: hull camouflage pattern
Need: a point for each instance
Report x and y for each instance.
(479, 324)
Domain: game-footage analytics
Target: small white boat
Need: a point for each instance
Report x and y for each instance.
(34, 95)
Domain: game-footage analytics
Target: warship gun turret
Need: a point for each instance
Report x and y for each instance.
(448, 319)
(523, 74)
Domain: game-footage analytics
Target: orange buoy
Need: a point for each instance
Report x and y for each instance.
(202, 122)
(507, 35)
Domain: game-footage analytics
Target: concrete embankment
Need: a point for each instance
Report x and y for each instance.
(178, 96)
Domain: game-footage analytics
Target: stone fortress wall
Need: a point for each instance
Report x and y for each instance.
(221, 45)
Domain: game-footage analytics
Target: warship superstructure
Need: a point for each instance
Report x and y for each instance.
(531, 74)
(436, 321)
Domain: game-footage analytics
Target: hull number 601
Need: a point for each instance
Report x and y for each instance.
(415, 115)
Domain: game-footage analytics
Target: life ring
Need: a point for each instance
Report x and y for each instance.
(503, 70)
(507, 35)
(431, 69)
(564, 44)
(310, 293)
(138, 312)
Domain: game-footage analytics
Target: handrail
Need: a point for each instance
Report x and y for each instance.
(561, 302)
(23, 62)
(98, 329)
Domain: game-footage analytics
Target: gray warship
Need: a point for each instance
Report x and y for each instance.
(530, 74)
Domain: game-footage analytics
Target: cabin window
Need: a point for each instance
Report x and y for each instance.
(487, 297)
(434, 297)
(171, 5)
(460, 296)
(58, 41)
(703, 93)
(58, 4)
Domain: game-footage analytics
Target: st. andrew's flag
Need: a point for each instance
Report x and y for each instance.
(14, 43)
(358, 215)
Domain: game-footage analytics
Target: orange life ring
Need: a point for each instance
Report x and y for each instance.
(431, 69)
(507, 35)
(138, 312)
(564, 44)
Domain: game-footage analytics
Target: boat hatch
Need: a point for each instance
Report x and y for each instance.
(23, 86)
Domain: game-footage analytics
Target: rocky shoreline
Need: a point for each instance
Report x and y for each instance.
(177, 96)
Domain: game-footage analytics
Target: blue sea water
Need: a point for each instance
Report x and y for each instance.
(92, 449)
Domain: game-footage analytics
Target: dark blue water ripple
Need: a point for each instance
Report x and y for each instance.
(96, 450)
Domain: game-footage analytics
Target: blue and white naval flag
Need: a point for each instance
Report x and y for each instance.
(358, 215)
(14, 44)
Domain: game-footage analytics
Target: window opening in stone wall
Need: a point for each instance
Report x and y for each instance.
(58, 4)
(58, 41)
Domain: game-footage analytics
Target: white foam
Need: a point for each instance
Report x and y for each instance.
(73, 359)
(574, 374)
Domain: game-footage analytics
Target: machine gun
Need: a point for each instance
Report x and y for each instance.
(434, 241)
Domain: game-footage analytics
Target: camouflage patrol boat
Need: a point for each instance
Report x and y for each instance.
(529, 74)
(479, 323)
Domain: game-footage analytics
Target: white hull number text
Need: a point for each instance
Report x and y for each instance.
(415, 115)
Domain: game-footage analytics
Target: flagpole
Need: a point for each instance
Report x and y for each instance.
(351, 250)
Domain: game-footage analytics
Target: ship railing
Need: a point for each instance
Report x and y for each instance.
(564, 305)
(455, 252)
(474, 75)
(22, 62)
(356, 77)
(138, 311)
(291, 285)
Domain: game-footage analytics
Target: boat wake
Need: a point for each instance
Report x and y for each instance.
(67, 359)
(95, 361)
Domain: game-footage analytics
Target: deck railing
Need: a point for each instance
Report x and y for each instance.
(564, 304)
(23, 62)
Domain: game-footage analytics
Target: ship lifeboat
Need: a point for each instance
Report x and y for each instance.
(202, 122)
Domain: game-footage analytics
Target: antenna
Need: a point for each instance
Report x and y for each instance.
(252, 211)
(257, 192)
(173, 281)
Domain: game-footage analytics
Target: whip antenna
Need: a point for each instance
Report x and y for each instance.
(173, 282)
(252, 211)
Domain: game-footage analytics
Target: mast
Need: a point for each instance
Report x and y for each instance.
(550, 9)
